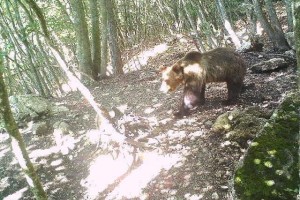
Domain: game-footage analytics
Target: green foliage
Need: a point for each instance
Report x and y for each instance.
(237, 9)
(270, 167)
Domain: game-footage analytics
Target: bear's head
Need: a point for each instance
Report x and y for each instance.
(172, 77)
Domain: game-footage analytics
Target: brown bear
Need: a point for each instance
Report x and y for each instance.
(196, 69)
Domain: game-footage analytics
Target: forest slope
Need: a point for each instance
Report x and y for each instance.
(186, 158)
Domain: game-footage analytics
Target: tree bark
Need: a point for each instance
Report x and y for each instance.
(115, 52)
(276, 38)
(227, 24)
(82, 37)
(104, 38)
(96, 42)
(289, 12)
(22, 36)
(280, 38)
(17, 142)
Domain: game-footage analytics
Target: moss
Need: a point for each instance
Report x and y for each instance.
(241, 125)
(270, 167)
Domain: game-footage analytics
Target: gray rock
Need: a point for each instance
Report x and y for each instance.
(270, 65)
(32, 107)
(29, 107)
(40, 128)
(290, 53)
(215, 195)
(62, 127)
(56, 110)
(290, 37)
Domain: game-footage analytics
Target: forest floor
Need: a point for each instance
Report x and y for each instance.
(186, 159)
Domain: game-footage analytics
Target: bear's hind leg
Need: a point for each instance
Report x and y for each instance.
(202, 95)
(234, 90)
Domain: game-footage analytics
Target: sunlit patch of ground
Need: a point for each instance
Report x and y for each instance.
(141, 60)
(106, 171)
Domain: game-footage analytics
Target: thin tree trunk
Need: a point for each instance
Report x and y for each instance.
(23, 37)
(117, 22)
(104, 38)
(263, 20)
(278, 41)
(289, 12)
(252, 19)
(83, 43)
(17, 142)
(280, 38)
(227, 24)
(115, 52)
(96, 42)
(39, 14)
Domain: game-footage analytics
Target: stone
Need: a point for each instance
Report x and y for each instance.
(29, 107)
(269, 65)
(56, 110)
(290, 37)
(40, 128)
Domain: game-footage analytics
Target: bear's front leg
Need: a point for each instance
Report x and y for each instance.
(191, 99)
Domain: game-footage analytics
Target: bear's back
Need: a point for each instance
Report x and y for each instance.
(222, 64)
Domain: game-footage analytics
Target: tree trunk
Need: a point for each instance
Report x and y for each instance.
(38, 82)
(289, 12)
(278, 40)
(227, 24)
(115, 52)
(104, 38)
(252, 19)
(96, 42)
(17, 142)
(82, 36)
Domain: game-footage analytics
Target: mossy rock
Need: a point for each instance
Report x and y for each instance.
(246, 128)
(225, 121)
(241, 126)
(270, 169)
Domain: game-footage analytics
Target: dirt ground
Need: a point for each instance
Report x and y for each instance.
(185, 159)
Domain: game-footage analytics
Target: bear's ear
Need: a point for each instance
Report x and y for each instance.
(162, 68)
(177, 68)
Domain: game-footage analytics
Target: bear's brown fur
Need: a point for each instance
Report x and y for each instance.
(196, 69)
